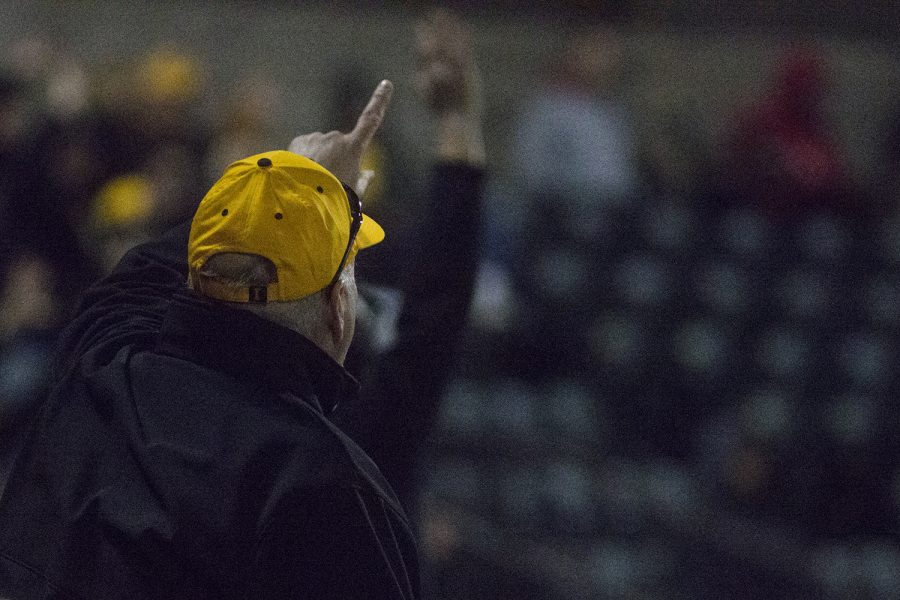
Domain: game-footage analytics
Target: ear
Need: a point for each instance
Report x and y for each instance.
(338, 299)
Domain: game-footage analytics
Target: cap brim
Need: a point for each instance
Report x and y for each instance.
(370, 233)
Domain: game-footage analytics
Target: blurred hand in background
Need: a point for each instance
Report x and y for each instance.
(450, 84)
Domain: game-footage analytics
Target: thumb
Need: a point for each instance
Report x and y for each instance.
(362, 182)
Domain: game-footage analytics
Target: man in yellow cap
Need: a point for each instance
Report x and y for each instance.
(186, 451)
(275, 233)
(189, 449)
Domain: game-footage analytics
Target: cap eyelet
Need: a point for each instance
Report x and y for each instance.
(224, 212)
(319, 189)
(279, 216)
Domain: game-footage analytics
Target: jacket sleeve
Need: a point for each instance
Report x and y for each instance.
(127, 306)
(402, 392)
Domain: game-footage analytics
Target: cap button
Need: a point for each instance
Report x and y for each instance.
(264, 162)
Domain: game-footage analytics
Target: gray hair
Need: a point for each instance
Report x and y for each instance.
(306, 315)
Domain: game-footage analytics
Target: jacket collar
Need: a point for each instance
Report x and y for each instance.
(248, 347)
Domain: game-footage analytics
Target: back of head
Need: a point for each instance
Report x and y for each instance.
(287, 209)
(274, 235)
(241, 271)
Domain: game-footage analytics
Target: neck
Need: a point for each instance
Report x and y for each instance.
(296, 317)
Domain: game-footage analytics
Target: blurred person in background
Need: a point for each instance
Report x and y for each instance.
(70, 134)
(576, 120)
(784, 157)
(41, 92)
(57, 77)
(149, 119)
(29, 319)
(122, 217)
(68, 211)
(28, 220)
(574, 159)
(17, 181)
(63, 169)
(38, 248)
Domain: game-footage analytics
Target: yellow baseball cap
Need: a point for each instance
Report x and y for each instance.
(288, 209)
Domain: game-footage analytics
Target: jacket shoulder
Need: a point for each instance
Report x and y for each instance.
(242, 427)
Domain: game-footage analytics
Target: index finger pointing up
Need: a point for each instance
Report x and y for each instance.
(373, 114)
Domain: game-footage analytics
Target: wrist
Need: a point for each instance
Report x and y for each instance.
(460, 138)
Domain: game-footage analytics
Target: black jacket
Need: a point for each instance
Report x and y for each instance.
(202, 467)
(188, 450)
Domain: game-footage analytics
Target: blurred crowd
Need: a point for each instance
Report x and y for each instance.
(93, 162)
(678, 378)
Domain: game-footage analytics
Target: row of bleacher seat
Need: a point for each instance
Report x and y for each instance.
(733, 344)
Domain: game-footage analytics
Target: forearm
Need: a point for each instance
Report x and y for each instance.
(402, 396)
(460, 139)
(439, 282)
(441, 278)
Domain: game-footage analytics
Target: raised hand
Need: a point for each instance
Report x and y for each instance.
(448, 81)
(341, 153)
